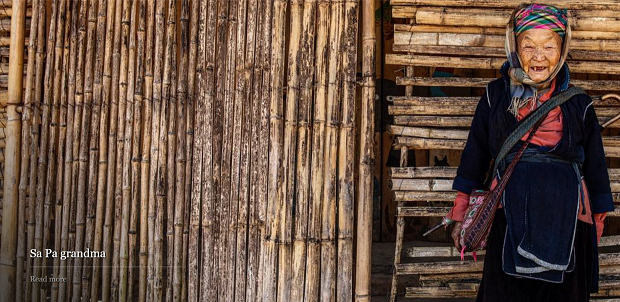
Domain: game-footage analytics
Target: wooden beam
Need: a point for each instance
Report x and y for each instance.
(492, 63)
(482, 82)
(425, 172)
(568, 4)
(409, 196)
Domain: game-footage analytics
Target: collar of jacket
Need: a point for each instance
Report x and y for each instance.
(562, 83)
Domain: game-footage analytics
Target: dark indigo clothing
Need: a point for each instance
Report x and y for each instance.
(581, 140)
(542, 218)
(496, 286)
(581, 143)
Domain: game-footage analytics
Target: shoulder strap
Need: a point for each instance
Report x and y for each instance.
(529, 121)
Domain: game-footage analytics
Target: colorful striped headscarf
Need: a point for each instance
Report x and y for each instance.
(527, 16)
(541, 16)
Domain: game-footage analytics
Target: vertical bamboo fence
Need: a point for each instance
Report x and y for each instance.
(191, 151)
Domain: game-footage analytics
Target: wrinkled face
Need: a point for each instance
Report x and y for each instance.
(540, 51)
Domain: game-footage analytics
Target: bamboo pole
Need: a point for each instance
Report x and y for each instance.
(302, 176)
(74, 212)
(42, 199)
(27, 145)
(62, 204)
(366, 165)
(255, 51)
(125, 165)
(114, 201)
(201, 137)
(276, 153)
(330, 198)
(311, 290)
(225, 98)
(94, 209)
(194, 152)
(179, 248)
(133, 155)
(239, 174)
(154, 292)
(189, 143)
(11, 203)
(166, 177)
(220, 117)
(289, 154)
(146, 182)
(105, 157)
(346, 157)
(265, 132)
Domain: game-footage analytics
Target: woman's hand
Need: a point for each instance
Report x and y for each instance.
(456, 234)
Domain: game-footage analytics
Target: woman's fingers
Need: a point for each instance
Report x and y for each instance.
(456, 234)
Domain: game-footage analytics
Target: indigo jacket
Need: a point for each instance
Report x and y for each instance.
(581, 143)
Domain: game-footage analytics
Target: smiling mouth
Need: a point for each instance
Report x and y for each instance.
(539, 68)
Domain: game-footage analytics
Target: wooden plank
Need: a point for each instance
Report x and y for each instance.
(575, 34)
(493, 63)
(568, 4)
(427, 172)
(467, 266)
(436, 121)
(498, 17)
(435, 251)
(450, 277)
(443, 211)
(403, 11)
(482, 82)
(428, 132)
(406, 196)
(424, 185)
(430, 143)
(487, 40)
(427, 292)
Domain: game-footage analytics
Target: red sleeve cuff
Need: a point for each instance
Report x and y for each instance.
(458, 211)
(599, 219)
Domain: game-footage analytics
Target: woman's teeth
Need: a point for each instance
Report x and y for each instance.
(538, 68)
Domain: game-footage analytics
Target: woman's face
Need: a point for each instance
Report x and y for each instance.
(540, 51)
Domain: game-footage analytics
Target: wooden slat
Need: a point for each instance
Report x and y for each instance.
(424, 185)
(428, 132)
(429, 143)
(435, 251)
(575, 34)
(610, 241)
(467, 266)
(497, 17)
(443, 211)
(569, 4)
(426, 172)
(492, 63)
(482, 82)
(486, 40)
(405, 196)
(434, 121)
(497, 52)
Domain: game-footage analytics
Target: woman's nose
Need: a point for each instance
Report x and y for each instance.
(538, 54)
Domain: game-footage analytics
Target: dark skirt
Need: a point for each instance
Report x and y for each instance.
(496, 286)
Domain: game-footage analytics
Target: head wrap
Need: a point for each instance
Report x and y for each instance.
(527, 16)
(541, 16)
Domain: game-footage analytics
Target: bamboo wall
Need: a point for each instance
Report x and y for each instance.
(211, 149)
(453, 49)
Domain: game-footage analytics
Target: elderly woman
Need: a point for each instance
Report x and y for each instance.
(543, 242)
